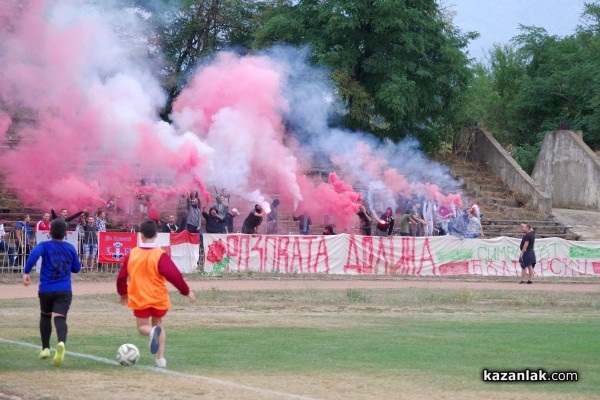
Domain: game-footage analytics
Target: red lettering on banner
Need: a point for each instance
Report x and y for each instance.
(261, 252)
(309, 261)
(282, 256)
(244, 255)
(362, 264)
(554, 265)
(407, 262)
(322, 253)
(580, 270)
(367, 255)
(367, 246)
(429, 257)
(476, 267)
(454, 268)
(270, 247)
(352, 260)
(570, 266)
(382, 255)
(565, 266)
(490, 268)
(506, 268)
(297, 255)
(233, 249)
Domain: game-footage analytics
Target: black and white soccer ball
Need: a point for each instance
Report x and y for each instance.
(128, 354)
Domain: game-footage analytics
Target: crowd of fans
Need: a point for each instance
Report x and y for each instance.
(419, 217)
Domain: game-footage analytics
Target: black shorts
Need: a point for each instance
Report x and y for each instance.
(55, 302)
(528, 259)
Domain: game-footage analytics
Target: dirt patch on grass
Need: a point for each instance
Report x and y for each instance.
(13, 289)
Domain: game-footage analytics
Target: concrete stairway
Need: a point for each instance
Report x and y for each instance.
(503, 211)
(12, 210)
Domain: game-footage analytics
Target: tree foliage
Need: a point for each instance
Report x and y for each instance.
(188, 31)
(398, 64)
(539, 80)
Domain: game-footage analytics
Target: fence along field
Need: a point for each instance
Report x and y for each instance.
(328, 344)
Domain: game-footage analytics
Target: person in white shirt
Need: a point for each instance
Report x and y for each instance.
(4, 246)
(429, 209)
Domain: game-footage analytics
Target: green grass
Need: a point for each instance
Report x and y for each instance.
(445, 337)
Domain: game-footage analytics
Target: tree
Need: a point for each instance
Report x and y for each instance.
(188, 31)
(537, 81)
(398, 64)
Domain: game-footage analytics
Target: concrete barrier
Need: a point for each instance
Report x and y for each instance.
(569, 171)
(488, 151)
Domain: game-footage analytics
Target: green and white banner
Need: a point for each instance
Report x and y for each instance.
(395, 255)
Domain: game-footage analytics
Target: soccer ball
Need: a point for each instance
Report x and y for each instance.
(128, 354)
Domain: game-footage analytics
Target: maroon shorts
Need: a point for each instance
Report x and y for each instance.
(150, 312)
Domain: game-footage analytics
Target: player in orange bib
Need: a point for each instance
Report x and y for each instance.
(142, 286)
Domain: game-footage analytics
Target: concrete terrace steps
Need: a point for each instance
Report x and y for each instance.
(503, 211)
(512, 228)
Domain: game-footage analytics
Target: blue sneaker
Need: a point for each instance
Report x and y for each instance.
(154, 335)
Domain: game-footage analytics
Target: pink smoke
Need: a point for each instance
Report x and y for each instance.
(97, 140)
(95, 134)
(235, 105)
(5, 122)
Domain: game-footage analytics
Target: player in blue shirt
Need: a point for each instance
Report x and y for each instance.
(59, 260)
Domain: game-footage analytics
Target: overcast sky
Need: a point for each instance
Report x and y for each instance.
(497, 21)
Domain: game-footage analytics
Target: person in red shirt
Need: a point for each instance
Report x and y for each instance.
(44, 224)
(141, 283)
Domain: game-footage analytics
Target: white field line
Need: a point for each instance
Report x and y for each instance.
(221, 382)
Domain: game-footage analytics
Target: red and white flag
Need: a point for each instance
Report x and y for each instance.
(185, 251)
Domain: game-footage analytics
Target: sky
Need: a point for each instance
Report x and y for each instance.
(498, 21)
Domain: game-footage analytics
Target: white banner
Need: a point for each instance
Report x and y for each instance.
(183, 248)
(395, 255)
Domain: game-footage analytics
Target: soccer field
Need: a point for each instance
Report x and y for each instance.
(352, 343)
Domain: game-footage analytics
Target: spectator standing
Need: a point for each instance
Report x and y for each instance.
(415, 219)
(226, 196)
(253, 220)
(273, 218)
(4, 246)
(59, 260)
(100, 221)
(444, 214)
(228, 221)
(365, 220)
(429, 209)
(44, 223)
(23, 239)
(473, 229)
(385, 225)
(328, 230)
(64, 214)
(405, 224)
(90, 243)
(193, 214)
(222, 205)
(304, 223)
(527, 254)
(80, 232)
(170, 226)
(214, 222)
